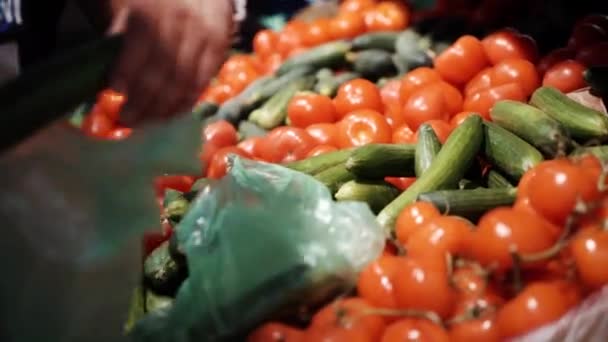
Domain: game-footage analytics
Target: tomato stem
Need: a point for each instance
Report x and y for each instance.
(428, 315)
(518, 283)
(476, 312)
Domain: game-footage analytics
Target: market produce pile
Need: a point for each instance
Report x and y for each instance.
(483, 162)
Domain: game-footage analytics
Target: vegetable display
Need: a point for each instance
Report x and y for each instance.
(488, 177)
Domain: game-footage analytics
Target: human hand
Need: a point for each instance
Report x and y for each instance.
(172, 48)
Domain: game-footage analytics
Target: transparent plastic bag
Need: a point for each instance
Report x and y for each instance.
(73, 211)
(263, 239)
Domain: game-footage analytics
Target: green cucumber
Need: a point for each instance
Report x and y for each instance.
(235, 109)
(205, 110)
(372, 64)
(162, 274)
(470, 204)
(384, 40)
(426, 149)
(495, 180)
(581, 122)
(376, 161)
(467, 184)
(509, 153)
(248, 129)
(411, 51)
(314, 165)
(415, 59)
(531, 124)
(377, 194)
(601, 152)
(597, 78)
(329, 87)
(274, 111)
(324, 56)
(334, 177)
(175, 205)
(448, 168)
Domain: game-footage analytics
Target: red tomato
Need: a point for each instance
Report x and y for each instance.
(305, 109)
(265, 43)
(291, 37)
(250, 145)
(481, 81)
(589, 249)
(348, 315)
(120, 133)
(97, 124)
(426, 103)
(594, 55)
(357, 94)
(362, 127)
(390, 93)
(566, 76)
(483, 101)
(412, 218)
(219, 162)
(508, 44)
(206, 155)
(401, 183)
(387, 16)
(501, 229)
(393, 115)
(286, 144)
(318, 32)
(276, 332)
(220, 133)
(347, 25)
(519, 71)
(357, 6)
(553, 58)
(240, 78)
(336, 334)
(482, 325)
(321, 149)
(404, 135)
(586, 34)
(375, 282)
(462, 61)
(441, 128)
(451, 96)
(218, 93)
(272, 63)
(415, 80)
(235, 63)
(460, 117)
(442, 234)
(152, 240)
(415, 329)
(324, 133)
(111, 103)
(175, 182)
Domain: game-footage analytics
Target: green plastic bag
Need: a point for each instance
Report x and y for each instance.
(73, 211)
(262, 240)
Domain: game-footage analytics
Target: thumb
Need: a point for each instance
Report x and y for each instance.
(119, 21)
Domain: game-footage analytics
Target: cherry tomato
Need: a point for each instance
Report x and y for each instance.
(481, 82)
(305, 109)
(276, 332)
(461, 61)
(286, 144)
(362, 127)
(357, 6)
(321, 149)
(240, 78)
(335, 334)
(426, 103)
(324, 133)
(586, 34)
(218, 93)
(482, 325)
(347, 25)
(483, 101)
(460, 117)
(501, 229)
(220, 133)
(442, 234)
(174, 182)
(555, 189)
(297, 51)
(519, 71)
(594, 55)
(412, 329)
(589, 250)
(207, 153)
(120, 133)
(401, 183)
(387, 16)
(423, 284)
(470, 282)
(111, 103)
(538, 304)
(403, 135)
(235, 63)
(250, 145)
(219, 162)
(357, 94)
(451, 96)
(441, 128)
(265, 43)
(566, 76)
(393, 115)
(291, 37)
(415, 80)
(375, 282)
(97, 124)
(152, 240)
(509, 44)
(318, 32)
(390, 93)
(272, 63)
(412, 218)
(350, 314)
(553, 58)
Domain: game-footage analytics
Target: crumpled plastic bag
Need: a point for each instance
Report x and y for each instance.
(73, 211)
(263, 239)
